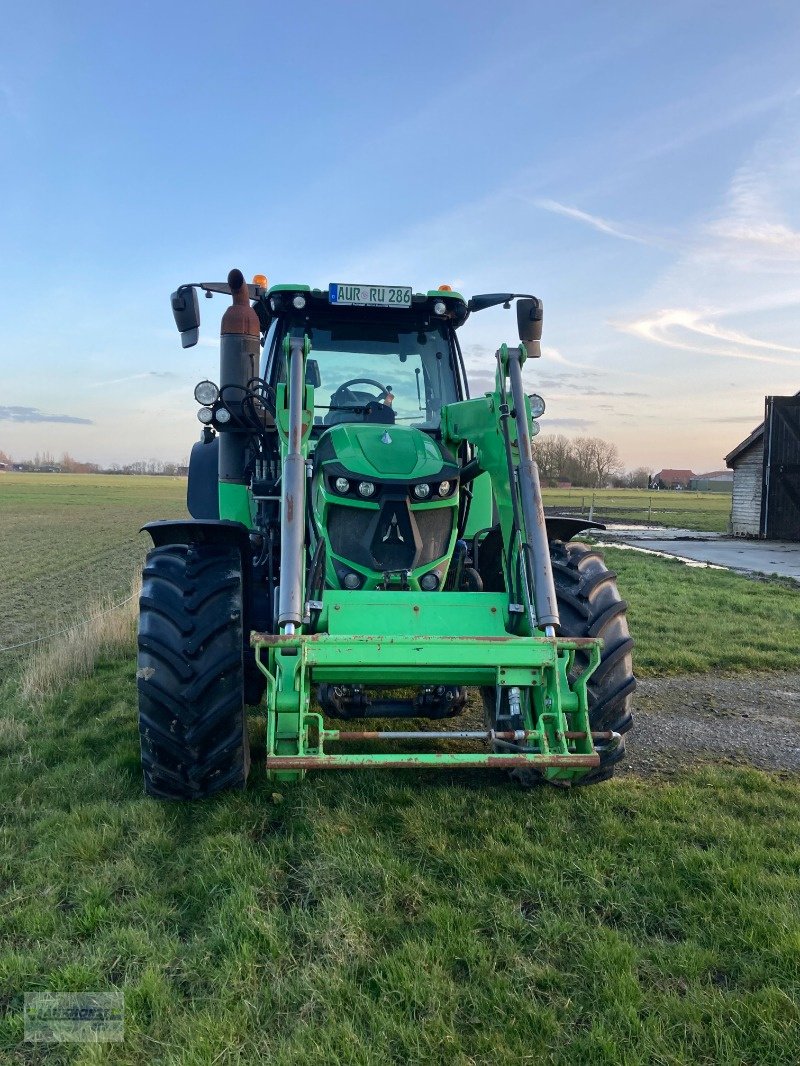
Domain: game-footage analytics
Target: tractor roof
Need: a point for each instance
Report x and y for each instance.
(368, 301)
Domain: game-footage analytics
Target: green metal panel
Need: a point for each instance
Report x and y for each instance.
(414, 614)
(480, 509)
(236, 503)
(363, 449)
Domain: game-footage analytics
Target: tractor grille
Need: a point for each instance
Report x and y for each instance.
(435, 527)
(393, 538)
(347, 531)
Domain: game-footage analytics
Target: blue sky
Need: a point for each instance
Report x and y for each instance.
(634, 164)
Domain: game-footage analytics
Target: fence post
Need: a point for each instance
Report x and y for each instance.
(650, 509)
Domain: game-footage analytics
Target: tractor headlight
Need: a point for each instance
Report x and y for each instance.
(440, 308)
(205, 415)
(341, 484)
(429, 581)
(299, 302)
(206, 393)
(422, 491)
(223, 415)
(366, 488)
(444, 488)
(537, 405)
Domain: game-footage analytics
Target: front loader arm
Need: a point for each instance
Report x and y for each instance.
(501, 431)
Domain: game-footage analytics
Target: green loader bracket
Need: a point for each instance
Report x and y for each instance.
(404, 638)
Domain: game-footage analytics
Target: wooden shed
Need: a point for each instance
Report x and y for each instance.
(747, 462)
(766, 474)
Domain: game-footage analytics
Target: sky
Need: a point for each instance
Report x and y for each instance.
(635, 165)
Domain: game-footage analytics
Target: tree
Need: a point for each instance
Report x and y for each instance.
(639, 478)
(552, 455)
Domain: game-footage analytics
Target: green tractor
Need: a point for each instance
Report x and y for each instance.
(369, 542)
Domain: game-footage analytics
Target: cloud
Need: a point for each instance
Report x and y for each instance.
(688, 330)
(134, 377)
(601, 224)
(33, 414)
(738, 266)
(734, 419)
(568, 423)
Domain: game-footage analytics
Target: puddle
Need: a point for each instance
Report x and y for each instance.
(665, 555)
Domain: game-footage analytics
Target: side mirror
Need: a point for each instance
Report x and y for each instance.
(529, 322)
(312, 373)
(186, 311)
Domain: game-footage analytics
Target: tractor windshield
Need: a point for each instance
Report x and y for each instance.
(380, 371)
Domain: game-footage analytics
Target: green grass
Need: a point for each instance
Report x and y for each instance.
(700, 511)
(688, 619)
(438, 918)
(68, 539)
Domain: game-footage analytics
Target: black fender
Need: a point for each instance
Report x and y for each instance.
(565, 527)
(219, 531)
(202, 490)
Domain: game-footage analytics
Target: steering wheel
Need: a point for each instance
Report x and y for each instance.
(346, 385)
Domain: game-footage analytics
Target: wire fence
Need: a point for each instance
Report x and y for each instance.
(689, 512)
(68, 629)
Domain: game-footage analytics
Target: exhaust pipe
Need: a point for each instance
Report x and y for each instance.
(239, 350)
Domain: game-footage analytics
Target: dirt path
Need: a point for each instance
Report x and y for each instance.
(749, 719)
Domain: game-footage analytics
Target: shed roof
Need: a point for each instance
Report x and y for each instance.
(755, 436)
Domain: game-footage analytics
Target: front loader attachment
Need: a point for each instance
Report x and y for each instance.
(405, 638)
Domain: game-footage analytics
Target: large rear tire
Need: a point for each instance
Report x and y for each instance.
(190, 675)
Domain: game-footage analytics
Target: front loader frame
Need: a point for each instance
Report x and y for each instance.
(409, 641)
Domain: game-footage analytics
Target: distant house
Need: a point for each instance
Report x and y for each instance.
(3, 466)
(713, 481)
(766, 474)
(671, 479)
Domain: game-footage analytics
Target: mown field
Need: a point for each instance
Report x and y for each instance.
(699, 511)
(444, 918)
(66, 540)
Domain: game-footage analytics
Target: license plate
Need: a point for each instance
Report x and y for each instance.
(370, 295)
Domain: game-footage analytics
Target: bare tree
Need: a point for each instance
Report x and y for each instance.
(552, 455)
(639, 478)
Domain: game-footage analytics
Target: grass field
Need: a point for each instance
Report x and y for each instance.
(444, 918)
(701, 511)
(441, 918)
(65, 540)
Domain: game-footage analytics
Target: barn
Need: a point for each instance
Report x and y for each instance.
(766, 474)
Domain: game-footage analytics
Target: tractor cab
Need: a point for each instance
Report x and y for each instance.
(379, 354)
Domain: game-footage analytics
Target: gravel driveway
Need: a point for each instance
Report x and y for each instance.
(752, 719)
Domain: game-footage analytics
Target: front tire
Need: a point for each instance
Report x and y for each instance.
(590, 605)
(190, 675)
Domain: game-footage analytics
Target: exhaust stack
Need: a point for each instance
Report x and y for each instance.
(239, 350)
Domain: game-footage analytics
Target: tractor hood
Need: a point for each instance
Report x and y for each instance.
(383, 451)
